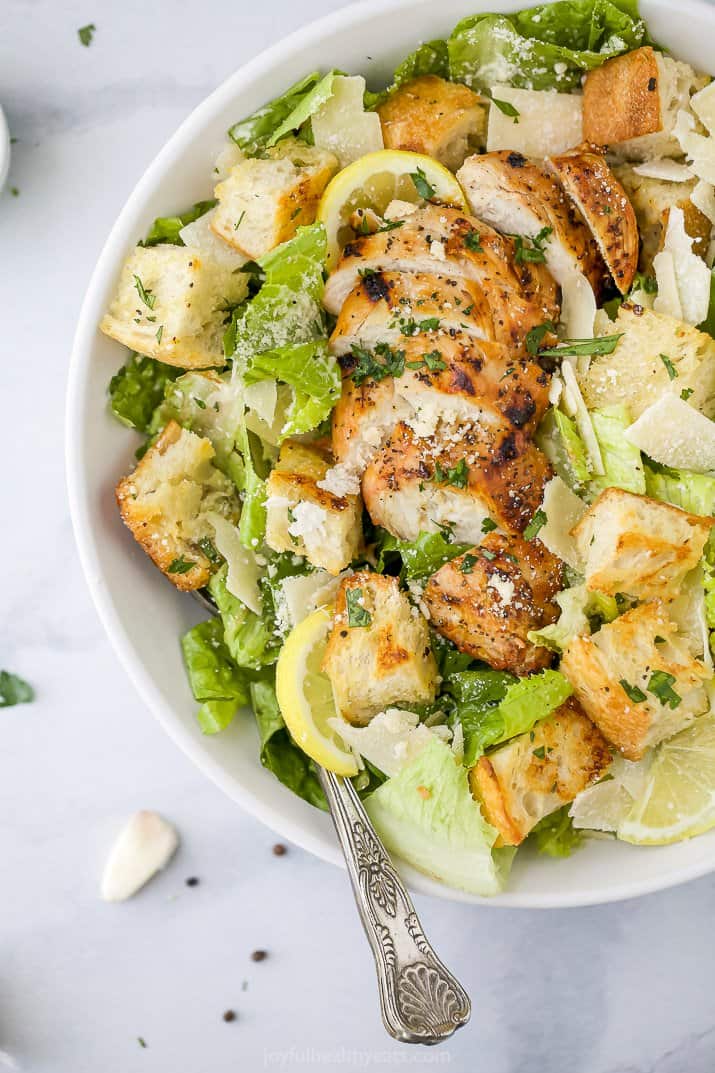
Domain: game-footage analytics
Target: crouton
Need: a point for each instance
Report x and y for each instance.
(171, 304)
(305, 518)
(536, 773)
(631, 102)
(640, 546)
(652, 200)
(487, 600)
(636, 679)
(545, 123)
(604, 205)
(635, 373)
(378, 653)
(429, 115)
(168, 500)
(264, 201)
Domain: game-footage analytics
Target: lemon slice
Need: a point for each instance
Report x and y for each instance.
(376, 179)
(305, 695)
(678, 799)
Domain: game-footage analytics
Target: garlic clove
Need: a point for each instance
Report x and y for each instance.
(145, 846)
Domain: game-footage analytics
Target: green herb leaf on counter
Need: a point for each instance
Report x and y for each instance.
(86, 33)
(14, 690)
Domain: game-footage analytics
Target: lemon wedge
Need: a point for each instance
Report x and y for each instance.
(678, 798)
(376, 179)
(305, 695)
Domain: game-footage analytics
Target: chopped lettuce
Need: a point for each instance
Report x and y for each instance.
(250, 638)
(167, 228)
(708, 325)
(14, 690)
(556, 835)
(580, 610)
(709, 586)
(560, 441)
(694, 492)
(278, 752)
(210, 406)
(429, 58)
(137, 389)
(420, 558)
(622, 460)
(307, 106)
(216, 682)
(256, 132)
(428, 817)
(545, 47)
(313, 374)
(449, 659)
(493, 706)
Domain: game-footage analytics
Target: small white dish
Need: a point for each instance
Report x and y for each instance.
(144, 617)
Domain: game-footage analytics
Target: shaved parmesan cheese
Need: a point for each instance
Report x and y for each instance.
(703, 104)
(687, 611)
(309, 520)
(342, 125)
(699, 148)
(576, 408)
(398, 210)
(703, 198)
(667, 170)
(677, 262)
(549, 123)
(390, 740)
(297, 597)
(199, 236)
(262, 398)
(556, 388)
(146, 845)
(341, 480)
(674, 434)
(563, 510)
(243, 571)
(227, 159)
(578, 306)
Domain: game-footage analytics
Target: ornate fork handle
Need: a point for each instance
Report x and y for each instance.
(421, 1001)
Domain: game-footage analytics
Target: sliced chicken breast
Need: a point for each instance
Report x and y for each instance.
(437, 238)
(445, 381)
(520, 197)
(458, 477)
(604, 205)
(486, 601)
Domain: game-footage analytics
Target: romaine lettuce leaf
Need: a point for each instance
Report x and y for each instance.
(311, 371)
(307, 106)
(167, 228)
(211, 406)
(622, 460)
(556, 835)
(420, 558)
(254, 133)
(559, 439)
(545, 47)
(250, 638)
(279, 753)
(429, 58)
(579, 609)
(216, 682)
(708, 325)
(137, 389)
(694, 492)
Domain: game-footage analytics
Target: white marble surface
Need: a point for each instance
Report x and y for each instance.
(621, 989)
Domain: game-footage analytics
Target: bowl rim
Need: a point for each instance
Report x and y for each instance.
(113, 249)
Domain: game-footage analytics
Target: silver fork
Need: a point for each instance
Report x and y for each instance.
(420, 1000)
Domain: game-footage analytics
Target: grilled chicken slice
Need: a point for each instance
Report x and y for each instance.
(445, 380)
(388, 306)
(487, 600)
(604, 205)
(459, 477)
(519, 197)
(437, 238)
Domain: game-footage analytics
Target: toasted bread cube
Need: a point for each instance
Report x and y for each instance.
(306, 519)
(636, 679)
(379, 653)
(263, 202)
(487, 600)
(636, 375)
(640, 546)
(429, 115)
(631, 103)
(652, 200)
(536, 773)
(171, 303)
(168, 500)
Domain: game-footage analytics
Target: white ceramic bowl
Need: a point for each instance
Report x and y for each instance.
(144, 616)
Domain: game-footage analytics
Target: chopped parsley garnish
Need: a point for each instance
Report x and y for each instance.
(536, 524)
(661, 686)
(670, 368)
(433, 361)
(239, 221)
(199, 402)
(686, 393)
(641, 282)
(658, 640)
(490, 556)
(209, 549)
(535, 336)
(540, 752)
(357, 614)
(488, 526)
(15, 191)
(506, 108)
(467, 564)
(535, 253)
(473, 241)
(181, 566)
(605, 344)
(376, 365)
(159, 333)
(86, 33)
(389, 225)
(455, 475)
(410, 327)
(422, 186)
(296, 212)
(632, 692)
(146, 296)
(14, 690)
